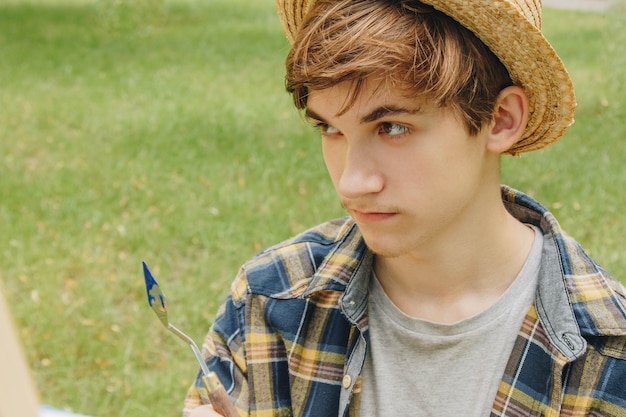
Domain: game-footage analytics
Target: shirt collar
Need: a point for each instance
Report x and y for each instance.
(346, 268)
(339, 266)
(575, 297)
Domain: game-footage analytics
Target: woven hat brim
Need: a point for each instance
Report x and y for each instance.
(512, 32)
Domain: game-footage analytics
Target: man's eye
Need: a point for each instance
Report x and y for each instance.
(331, 130)
(393, 129)
(326, 129)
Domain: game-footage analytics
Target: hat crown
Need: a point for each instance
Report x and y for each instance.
(292, 12)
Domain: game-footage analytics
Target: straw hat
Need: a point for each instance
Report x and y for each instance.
(512, 30)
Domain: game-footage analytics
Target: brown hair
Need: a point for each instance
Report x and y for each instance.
(405, 44)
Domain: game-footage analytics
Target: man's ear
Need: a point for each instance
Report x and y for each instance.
(511, 113)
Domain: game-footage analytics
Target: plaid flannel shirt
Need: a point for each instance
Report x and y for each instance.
(291, 337)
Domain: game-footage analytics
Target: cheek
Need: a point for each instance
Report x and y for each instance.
(333, 159)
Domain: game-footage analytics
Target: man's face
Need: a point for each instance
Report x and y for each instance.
(410, 175)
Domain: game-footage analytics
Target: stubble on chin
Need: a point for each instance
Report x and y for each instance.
(382, 250)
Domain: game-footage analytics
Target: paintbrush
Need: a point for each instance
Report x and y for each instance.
(217, 394)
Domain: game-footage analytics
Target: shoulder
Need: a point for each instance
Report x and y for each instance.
(286, 269)
(597, 299)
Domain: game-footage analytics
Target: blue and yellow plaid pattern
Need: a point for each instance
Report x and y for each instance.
(290, 338)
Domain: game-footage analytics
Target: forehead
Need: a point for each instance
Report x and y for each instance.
(371, 95)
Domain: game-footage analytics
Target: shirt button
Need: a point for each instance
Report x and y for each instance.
(347, 380)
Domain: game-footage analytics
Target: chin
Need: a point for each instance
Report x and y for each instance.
(385, 250)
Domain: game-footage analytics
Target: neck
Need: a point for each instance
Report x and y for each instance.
(460, 273)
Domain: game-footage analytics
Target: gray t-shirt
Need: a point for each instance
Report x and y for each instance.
(419, 368)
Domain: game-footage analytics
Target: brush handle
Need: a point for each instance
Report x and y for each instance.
(218, 396)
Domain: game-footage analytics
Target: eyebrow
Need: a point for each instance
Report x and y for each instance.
(384, 111)
(310, 114)
(376, 114)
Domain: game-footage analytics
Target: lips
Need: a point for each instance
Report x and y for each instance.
(369, 216)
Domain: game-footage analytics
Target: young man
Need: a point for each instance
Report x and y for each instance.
(442, 293)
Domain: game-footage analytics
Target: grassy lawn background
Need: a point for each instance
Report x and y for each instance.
(159, 131)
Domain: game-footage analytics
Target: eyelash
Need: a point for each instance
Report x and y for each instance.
(321, 126)
(383, 128)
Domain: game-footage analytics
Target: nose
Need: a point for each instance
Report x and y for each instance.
(360, 173)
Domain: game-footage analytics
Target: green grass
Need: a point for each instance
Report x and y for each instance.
(159, 131)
